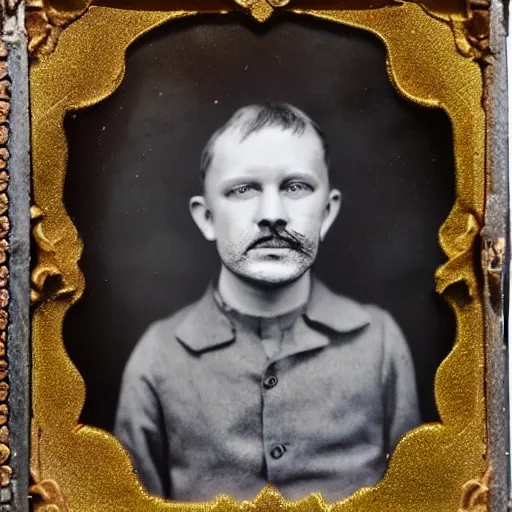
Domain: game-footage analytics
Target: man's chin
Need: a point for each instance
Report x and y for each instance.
(271, 274)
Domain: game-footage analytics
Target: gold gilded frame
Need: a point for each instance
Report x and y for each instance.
(433, 61)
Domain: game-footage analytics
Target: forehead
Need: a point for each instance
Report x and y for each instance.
(270, 149)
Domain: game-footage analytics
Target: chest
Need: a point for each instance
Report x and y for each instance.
(236, 387)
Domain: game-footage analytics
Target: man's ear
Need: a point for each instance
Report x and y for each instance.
(202, 217)
(332, 209)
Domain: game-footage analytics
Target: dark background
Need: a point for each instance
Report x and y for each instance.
(134, 162)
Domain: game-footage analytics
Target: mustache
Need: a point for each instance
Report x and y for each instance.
(283, 237)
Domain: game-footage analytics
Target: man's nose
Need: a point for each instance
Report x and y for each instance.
(271, 210)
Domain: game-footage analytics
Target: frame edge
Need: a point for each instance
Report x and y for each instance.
(495, 247)
(18, 351)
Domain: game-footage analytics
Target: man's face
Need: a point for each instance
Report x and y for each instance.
(268, 203)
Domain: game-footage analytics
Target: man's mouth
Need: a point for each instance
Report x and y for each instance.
(271, 243)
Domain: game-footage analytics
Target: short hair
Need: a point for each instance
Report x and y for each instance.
(253, 118)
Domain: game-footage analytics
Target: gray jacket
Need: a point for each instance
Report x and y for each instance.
(203, 411)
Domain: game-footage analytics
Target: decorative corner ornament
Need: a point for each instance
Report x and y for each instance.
(262, 10)
(471, 34)
(45, 24)
(48, 497)
(475, 494)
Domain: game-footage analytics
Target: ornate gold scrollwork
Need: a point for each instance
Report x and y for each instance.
(47, 279)
(45, 24)
(460, 259)
(47, 494)
(471, 31)
(475, 494)
(261, 10)
(51, 498)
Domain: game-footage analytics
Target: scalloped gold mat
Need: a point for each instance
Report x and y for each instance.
(80, 468)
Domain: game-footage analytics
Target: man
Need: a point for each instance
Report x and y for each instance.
(269, 377)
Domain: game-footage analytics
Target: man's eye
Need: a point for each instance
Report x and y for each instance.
(297, 189)
(242, 192)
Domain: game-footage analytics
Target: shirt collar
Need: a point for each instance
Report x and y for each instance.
(206, 326)
(334, 311)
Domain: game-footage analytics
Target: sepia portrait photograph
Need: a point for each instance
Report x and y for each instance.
(259, 209)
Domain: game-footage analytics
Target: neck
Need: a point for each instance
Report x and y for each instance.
(263, 302)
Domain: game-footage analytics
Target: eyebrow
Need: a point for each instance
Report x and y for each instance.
(300, 175)
(231, 182)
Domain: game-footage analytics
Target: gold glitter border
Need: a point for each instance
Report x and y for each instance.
(84, 468)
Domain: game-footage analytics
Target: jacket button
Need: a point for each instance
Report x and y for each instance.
(270, 381)
(278, 451)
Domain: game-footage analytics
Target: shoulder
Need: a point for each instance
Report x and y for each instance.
(381, 317)
(369, 325)
(344, 314)
(163, 330)
(383, 328)
(157, 345)
(396, 352)
(392, 335)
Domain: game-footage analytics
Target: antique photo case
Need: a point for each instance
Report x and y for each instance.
(269, 249)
